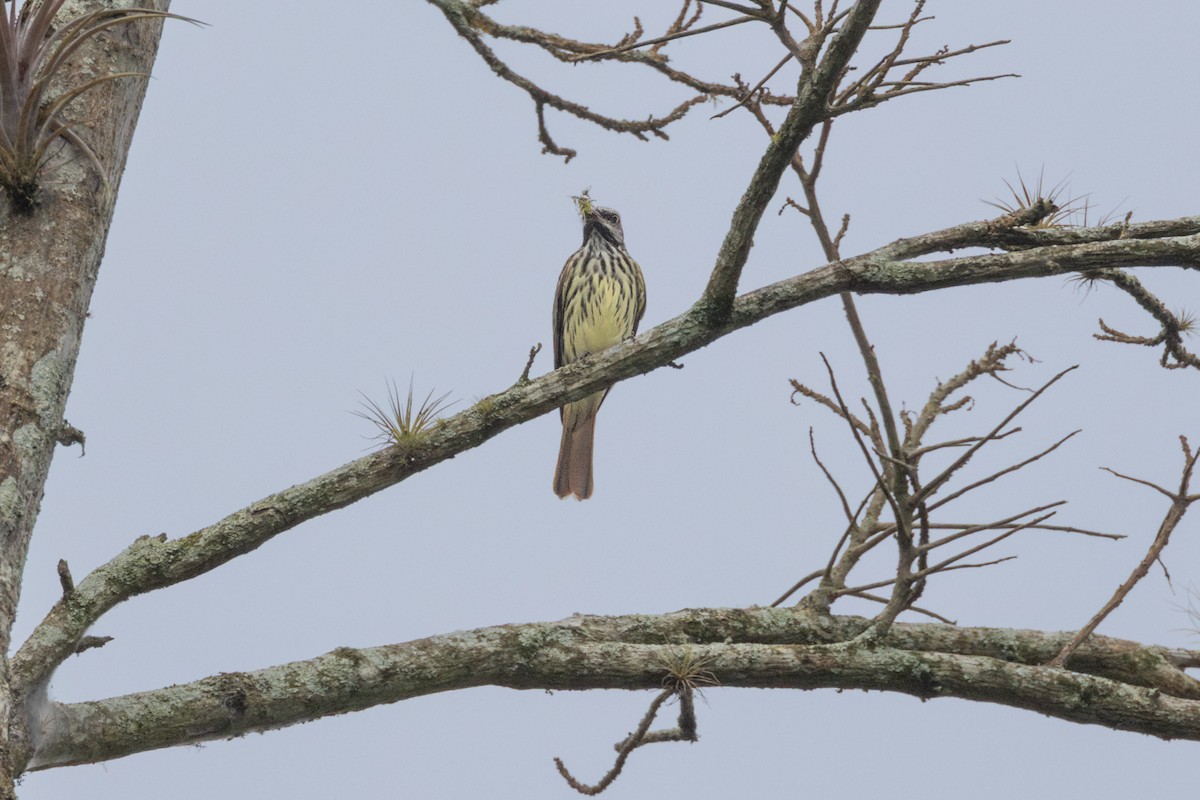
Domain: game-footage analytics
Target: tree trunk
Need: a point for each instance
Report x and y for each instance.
(48, 266)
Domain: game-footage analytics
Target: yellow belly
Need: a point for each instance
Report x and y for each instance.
(601, 317)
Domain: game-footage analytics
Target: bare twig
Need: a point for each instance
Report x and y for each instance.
(915, 609)
(738, 7)
(840, 410)
(1180, 501)
(798, 585)
(622, 756)
(754, 91)
(548, 143)
(471, 24)
(963, 442)
(949, 471)
(533, 351)
(991, 362)
(1001, 473)
(1173, 326)
(942, 566)
(879, 478)
(812, 446)
(64, 578)
(1056, 528)
(1009, 522)
(669, 37)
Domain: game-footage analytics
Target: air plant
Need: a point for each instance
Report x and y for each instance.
(32, 55)
(400, 423)
(1024, 199)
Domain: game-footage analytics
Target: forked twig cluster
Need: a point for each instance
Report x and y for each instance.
(905, 505)
(890, 77)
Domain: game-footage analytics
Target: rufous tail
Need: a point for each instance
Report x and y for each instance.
(573, 476)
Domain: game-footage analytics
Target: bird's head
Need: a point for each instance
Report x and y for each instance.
(602, 222)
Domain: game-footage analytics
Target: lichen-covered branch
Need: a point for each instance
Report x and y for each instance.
(1119, 684)
(1173, 326)
(49, 259)
(153, 563)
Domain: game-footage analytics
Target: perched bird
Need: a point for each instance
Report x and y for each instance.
(599, 302)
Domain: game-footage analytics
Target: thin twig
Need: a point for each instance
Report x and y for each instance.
(669, 37)
(799, 388)
(629, 745)
(755, 89)
(1006, 471)
(917, 609)
(812, 446)
(949, 471)
(967, 440)
(1057, 528)
(879, 480)
(942, 566)
(1180, 501)
(1009, 522)
(798, 585)
(533, 351)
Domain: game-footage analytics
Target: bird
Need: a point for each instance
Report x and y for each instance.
(599, 301)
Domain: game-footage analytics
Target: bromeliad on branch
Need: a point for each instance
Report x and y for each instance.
(32, 54)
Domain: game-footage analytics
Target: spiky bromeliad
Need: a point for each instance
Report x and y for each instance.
(599, 302)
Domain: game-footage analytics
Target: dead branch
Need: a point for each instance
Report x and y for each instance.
(874, 598)
(670, 37)
(1173, 326)
(1001, 473)
(811, 394)
(1010, 523)
(993, 361)
(753, 92)
(880, 483)
(630, 743)
(949, 471)
(812, 446)
(1057, 528)
(470, 23)
(798, 585)
(533, 351)
(1180, 501)
(942, 566)
(875, 85)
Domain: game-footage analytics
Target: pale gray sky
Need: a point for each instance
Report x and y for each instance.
(323, 198)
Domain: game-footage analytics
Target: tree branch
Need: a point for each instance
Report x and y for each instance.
(810, 109)
(1131, 687)
(1180, 502)
(469, 22)
(153, 563)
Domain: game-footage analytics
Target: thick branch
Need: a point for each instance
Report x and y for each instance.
(153, 563)
(47, 274)
(766, 648)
